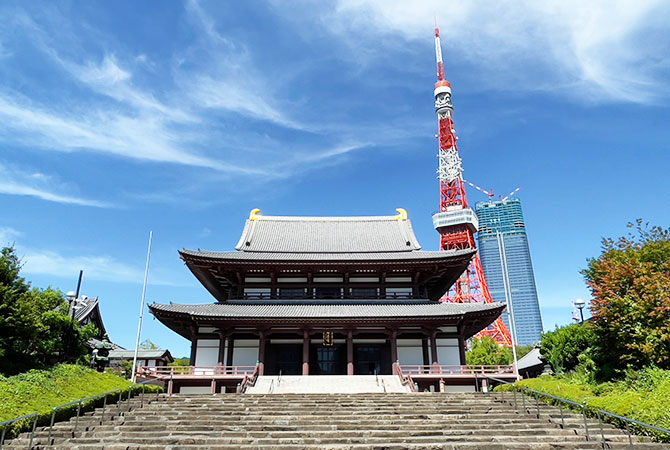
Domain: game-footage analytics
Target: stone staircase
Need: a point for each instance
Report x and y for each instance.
(327, 384)
(328, 421)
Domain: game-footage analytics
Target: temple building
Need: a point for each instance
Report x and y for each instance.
(326, 295)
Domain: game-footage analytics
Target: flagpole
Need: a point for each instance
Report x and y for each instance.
(508, 298)
(144, 293)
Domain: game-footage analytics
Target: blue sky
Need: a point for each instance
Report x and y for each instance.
(180, 117)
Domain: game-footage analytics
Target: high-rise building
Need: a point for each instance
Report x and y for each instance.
(505, 218)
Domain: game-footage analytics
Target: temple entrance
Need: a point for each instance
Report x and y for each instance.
(328, 360)
(285, 359)
(370, 359)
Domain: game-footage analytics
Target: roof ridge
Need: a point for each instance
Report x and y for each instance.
(327, 218)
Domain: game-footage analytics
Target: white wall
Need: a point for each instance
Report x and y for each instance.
(245, 352)
(207, 353)
(448, 353)
(460, 388)
(410, 352)
(195, 390)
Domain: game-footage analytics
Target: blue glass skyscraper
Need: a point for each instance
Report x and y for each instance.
(506, 218)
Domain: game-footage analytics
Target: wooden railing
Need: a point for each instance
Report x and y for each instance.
(195, 371)
(249, 380)
(447, 370)
(405, 380)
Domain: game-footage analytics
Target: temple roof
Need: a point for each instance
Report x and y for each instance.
(335, 256)
(280, 310)
(284, 234)
(472, 316)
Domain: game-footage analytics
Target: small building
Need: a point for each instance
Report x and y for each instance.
(327, 296)
(146, 358)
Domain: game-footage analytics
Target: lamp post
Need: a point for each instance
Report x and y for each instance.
(579, 303)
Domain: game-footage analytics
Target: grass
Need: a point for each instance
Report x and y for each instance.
(643, 395)
(41, 390)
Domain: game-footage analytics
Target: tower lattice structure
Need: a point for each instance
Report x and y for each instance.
(456, 222)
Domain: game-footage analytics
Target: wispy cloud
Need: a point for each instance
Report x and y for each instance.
(96, 267)
(590, 51)
(230, 80)
(14, 181)
(8, 235)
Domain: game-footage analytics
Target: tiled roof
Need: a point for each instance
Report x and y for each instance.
(280, 234)
(141, 354)
(337, 256)
(316, 311)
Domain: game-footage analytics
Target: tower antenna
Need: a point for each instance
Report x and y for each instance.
(455, 221)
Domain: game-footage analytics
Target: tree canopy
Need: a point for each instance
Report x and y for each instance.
(35, 327)
(630, 283)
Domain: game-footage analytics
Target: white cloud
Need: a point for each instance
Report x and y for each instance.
(229, 80)
(594, 51)
(8, 235)
(14, 181)
(95, 267)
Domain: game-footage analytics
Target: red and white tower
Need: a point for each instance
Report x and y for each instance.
(455, 221)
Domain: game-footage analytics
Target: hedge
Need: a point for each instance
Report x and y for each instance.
(643, 396)
(39, 391)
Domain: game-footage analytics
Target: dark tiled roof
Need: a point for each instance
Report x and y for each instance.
(316, 311)
(141, 354)
(278, 234)
(348, 257)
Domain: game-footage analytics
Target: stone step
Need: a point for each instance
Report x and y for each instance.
(347, 421)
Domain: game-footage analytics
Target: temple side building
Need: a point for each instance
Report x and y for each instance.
(327, 295)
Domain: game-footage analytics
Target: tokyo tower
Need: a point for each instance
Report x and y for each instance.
(455, 221)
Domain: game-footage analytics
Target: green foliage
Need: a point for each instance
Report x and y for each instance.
(565, 347)
(126, 369)
(523, 350)
(642, 395)
(487, 352)
(35, 327)
(41, 390)
(148, 345)
(183, 362)
(630, 282)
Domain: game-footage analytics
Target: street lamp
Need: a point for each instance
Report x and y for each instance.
(580, 304)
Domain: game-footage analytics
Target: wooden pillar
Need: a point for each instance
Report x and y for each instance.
(305, 352)
(461, 350)
(350, 352)
(194, 345)
(170, 387)
(213, 386)
(394, 346)
(433, 349)
(261, 353)
(424, 349)
(222, 347)
(229, 356)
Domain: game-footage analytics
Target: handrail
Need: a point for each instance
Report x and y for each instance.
(79, 404)
(6, 423)
(436, 369)
(248, 381)
(583, 407)
(158, 371)
(405, 380)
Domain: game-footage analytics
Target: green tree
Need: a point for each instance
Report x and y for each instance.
(34, 323)
(148, 345)
(186, 361)
(565, 347)
(487, 352)
(630, 283)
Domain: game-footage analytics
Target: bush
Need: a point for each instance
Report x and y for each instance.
(566, 347)
(41, 390)
(642, 396)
